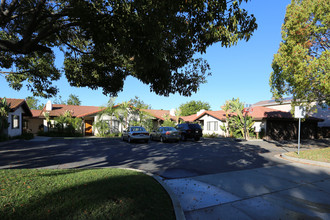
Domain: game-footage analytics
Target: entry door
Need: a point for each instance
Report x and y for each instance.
(88, 128)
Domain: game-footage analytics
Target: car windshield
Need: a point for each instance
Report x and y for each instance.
(138, 129)
(169, 129)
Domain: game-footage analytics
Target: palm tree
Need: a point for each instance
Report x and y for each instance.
(47, 117)
(109, 111)
(177, 115)
(126, 110)
(226, 108)
(244, 121)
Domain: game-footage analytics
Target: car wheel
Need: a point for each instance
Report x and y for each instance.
(161, 139)
(197, 138)
(129, 139)
(151, 138)
(183, 137)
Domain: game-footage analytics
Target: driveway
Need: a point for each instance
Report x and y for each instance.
(170, 160)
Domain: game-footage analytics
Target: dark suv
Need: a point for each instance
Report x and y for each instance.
(190, 131)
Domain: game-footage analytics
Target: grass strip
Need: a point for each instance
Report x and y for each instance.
(82, 194)
(322, 154)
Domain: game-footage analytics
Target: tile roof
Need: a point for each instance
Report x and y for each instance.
(221, 115)
(189, 118)
(159, 113)
(260, 112)
(35, 113)
(77, 110)
(16, 103)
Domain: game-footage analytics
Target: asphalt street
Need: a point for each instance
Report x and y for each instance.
(169, 160)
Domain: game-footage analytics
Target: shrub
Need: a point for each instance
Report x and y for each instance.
(213, 135)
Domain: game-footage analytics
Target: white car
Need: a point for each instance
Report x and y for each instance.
(135, 133)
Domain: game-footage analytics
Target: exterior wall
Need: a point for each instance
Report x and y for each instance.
(214, 125)
(282, 107)
(258, 125)
(15, 131)
(33, 124)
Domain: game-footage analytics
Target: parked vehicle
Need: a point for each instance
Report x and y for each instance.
(165, 134)
(135, 133)
(189, 131)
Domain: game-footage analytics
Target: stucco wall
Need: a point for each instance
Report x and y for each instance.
(33, 124)
(212, 130)
(15, 131)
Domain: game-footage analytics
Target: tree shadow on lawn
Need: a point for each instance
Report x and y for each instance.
(129, 196)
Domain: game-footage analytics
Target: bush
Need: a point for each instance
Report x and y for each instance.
(213, 135)
(4, 137)
(59, 134)
(25, 136)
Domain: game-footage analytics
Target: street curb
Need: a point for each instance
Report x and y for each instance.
(179, 214)
(304, 161)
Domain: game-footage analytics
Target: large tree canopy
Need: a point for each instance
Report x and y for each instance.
(301, 67)
(106, 41)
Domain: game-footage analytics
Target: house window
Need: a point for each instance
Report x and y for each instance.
(212, 125)
(14, 121)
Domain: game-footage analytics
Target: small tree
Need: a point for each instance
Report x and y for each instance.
(47, 117)
(102, 127)
(73, 100)
(4, 111)
(225, 127)
(240, 121)
(168, 122)
(33, 103)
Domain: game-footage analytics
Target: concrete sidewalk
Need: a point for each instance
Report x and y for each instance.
(290, 191)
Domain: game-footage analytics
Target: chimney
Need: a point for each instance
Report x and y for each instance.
(200, 111)
(49, 106)
(172, 112)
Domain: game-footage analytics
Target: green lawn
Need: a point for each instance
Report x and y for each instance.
(322, 155)
(82, 194)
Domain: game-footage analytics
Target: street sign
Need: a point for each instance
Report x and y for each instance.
(299, 111)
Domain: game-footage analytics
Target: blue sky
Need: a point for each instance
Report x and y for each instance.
(240, 71)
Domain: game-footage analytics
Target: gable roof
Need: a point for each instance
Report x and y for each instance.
(14, 104)
(77, 110)
(36, 113)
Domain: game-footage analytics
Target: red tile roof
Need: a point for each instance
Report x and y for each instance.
(16, 103)
(159, 113)
(221, 115)
(77, 110)
(35, 113)
(260, 112)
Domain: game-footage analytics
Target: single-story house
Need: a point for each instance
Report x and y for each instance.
(87, 113)
(275, 124)
(323, 112)
(18, 110)
(158, 116)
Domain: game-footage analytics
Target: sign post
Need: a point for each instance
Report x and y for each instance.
(299, 112)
